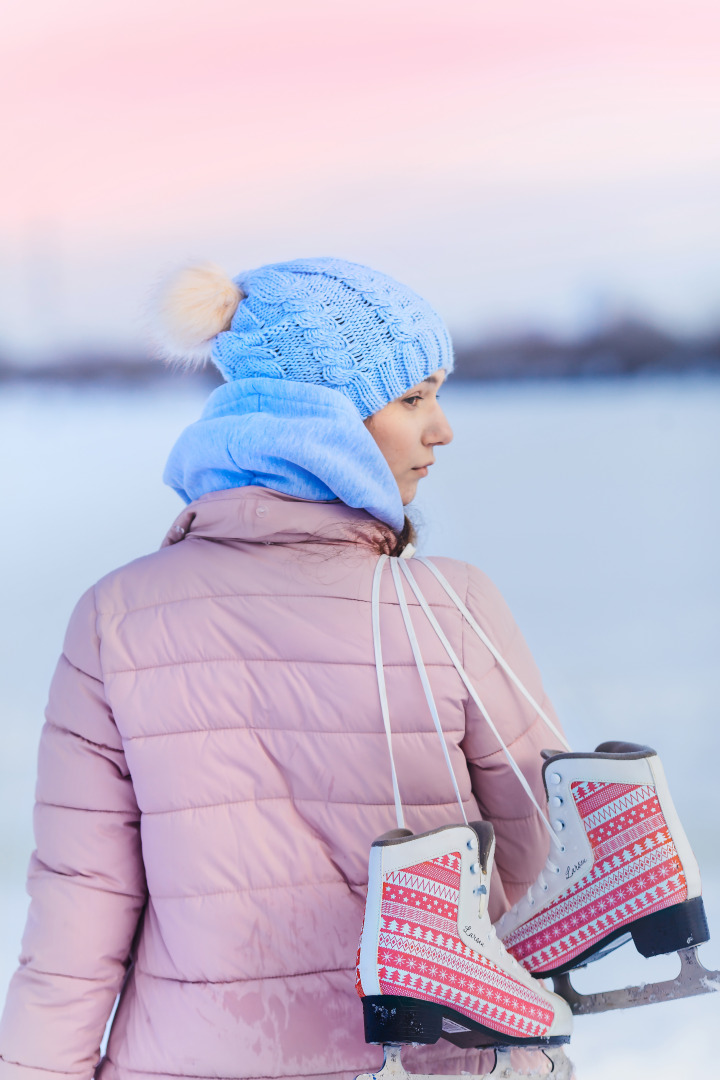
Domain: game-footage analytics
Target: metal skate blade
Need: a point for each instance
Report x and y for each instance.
(693, 979)
(393, 1068)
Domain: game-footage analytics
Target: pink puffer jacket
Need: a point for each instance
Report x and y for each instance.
(212, 772)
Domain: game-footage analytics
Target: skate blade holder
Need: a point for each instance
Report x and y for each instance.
(694, 978)
(393, 1068)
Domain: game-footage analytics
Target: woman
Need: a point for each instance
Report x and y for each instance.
(213, 767)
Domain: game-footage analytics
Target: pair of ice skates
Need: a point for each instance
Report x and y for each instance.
(431, 964)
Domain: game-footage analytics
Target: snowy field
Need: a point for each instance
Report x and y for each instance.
(594, 506)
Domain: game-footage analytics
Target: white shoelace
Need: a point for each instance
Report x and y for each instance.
(491, 647)
(415, 646)
(549, 868)
(380, 672)
(396, 566)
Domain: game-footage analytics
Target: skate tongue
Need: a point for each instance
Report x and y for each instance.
(486, 854)
(486, 843)
(547, 755)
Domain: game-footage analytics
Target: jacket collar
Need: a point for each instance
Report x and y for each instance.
(260, 515)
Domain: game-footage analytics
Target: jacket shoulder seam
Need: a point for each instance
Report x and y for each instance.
(268, 660)
(269, 798)
(111, 612)
(288, 730)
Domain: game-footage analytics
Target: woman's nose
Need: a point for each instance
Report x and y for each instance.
(439, 431)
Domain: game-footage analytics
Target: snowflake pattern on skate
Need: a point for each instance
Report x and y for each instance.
(636, 871)
(420, 953)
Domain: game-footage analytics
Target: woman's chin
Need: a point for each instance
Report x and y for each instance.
(408, 493)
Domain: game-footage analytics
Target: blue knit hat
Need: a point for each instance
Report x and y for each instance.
(324, 321)
(309, 349)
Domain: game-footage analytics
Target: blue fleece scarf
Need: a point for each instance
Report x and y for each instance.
(297, 438)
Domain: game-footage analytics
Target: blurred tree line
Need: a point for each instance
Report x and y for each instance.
(625, 347)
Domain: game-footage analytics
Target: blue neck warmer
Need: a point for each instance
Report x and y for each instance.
(297, 438)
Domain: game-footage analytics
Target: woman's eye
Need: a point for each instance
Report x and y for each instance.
(413, 399)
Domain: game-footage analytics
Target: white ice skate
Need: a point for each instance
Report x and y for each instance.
(624, 869)
(430, 963)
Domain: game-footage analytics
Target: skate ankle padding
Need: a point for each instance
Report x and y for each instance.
(392, 836)
(625, 749)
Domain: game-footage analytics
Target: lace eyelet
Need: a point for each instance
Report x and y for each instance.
(558, 826)
(545, 887)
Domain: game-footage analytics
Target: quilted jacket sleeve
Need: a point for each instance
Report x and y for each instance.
(522, 841)
(86, 878)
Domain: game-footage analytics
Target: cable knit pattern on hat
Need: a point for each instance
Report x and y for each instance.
(336, 324)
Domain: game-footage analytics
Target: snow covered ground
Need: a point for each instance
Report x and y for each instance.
(594, 506)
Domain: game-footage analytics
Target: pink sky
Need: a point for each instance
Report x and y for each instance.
(156, 126)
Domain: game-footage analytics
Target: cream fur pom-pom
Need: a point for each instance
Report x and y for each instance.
(192, 306)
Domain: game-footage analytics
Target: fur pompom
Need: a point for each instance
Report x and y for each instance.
(192, 306)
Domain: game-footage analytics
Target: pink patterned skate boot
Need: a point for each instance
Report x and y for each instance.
(624, 866)
(430, 963)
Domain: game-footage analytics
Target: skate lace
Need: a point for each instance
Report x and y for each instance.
(396, 566)
(508, 958)
(541, 884)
